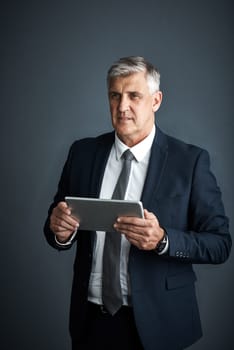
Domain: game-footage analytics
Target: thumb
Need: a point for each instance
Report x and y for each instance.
(64, 207)
(148, 215)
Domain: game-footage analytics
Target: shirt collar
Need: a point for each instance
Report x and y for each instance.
(140, 150)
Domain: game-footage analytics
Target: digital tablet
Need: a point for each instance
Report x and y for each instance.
(100, 214)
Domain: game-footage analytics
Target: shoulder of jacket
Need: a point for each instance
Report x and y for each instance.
(93, 141)
(174, 143)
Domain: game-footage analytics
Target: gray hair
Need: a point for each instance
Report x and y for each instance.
(126, 66)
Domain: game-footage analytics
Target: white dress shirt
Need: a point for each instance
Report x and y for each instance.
(141, 152)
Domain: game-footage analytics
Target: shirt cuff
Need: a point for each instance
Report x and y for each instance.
(69, 242)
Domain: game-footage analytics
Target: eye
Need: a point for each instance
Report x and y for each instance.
(135, 95)
(114, 96)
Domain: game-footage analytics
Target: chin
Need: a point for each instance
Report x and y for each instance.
(123, 131)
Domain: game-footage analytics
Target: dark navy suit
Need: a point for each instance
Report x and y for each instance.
(182, 192)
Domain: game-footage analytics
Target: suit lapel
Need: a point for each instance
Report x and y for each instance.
(156, 167)
(101, 156)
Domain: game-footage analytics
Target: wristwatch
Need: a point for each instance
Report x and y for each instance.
(161, 244)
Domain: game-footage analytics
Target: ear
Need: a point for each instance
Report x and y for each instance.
(156, 100)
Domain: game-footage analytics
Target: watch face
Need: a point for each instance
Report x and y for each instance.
(161, 245)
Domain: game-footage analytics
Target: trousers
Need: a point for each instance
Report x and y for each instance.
(107, 332)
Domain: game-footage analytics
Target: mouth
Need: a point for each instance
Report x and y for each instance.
(124, 118)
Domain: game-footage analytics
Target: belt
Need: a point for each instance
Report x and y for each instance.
(102, 309)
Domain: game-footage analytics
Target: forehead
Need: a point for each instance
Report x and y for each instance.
(133, 82)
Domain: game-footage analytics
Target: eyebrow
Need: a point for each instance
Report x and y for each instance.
(127, 92)
(136, 92)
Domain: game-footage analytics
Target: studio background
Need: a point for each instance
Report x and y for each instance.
(54, 59)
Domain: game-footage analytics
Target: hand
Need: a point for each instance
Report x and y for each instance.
(143, 233)
(62, 223)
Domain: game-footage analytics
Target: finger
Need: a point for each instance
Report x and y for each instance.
(128, 229)
(138, 236)
(64, 208)
(61, 221)
(131, 220)
(141, 242)
(146, 238)
(66, 221)
(62, 225)
(143, 226)
(63, 213)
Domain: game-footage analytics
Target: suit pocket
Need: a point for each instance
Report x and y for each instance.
(181, 280)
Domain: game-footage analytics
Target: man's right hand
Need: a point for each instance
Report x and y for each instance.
(62, 223)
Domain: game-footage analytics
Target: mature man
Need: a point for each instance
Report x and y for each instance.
(150, 302)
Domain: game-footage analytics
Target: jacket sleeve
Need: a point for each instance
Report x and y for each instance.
(62, 191)
(207, 239)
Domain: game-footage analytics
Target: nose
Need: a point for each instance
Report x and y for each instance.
(123, 104)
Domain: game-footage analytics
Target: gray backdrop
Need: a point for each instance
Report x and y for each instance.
(54, 58)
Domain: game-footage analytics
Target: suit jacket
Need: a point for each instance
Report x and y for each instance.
(182, 192)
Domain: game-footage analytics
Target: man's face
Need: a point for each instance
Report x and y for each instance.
(132, 107)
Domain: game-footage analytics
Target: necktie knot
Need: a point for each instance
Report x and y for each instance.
(127, 155)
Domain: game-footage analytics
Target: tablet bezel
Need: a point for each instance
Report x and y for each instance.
(98, 214)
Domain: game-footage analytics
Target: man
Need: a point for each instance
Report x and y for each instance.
(184, 223)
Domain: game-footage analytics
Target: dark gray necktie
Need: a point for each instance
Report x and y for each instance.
(111, 288)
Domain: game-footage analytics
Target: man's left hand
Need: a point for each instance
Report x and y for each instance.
(144, 233)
